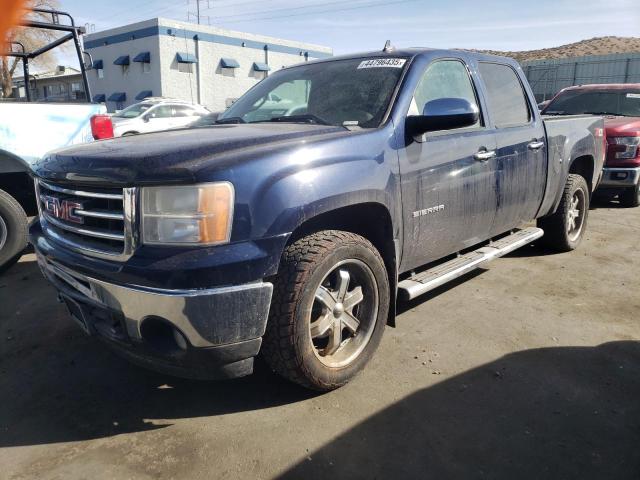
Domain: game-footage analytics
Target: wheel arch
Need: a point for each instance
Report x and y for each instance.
(584, 165)
(371, 220)
(16, 181)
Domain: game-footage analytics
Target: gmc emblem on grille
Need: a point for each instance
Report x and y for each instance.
(62, 209)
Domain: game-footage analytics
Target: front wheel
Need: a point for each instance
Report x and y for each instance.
(631, 197)
(13, 230)
(329, 309)
(565, 229)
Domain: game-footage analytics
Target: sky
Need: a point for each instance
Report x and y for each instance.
(360, 25)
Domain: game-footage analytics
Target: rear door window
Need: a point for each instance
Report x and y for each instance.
(506, 99)
(162, 111)
(183, 111)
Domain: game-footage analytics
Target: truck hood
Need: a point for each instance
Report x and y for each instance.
(174, 156)
(622, 126)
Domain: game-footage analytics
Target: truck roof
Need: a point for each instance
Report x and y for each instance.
(416, 52)
(605, 86)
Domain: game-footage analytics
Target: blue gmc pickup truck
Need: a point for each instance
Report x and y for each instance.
(291, 227)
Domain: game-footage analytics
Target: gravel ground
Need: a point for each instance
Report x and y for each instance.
(529, 369)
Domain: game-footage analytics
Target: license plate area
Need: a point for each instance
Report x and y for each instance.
(77, 314)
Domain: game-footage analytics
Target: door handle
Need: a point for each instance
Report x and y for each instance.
(535, 145)
(484, 155)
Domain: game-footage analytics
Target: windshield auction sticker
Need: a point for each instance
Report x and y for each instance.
(383, 63)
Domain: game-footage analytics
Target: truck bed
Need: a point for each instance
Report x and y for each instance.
(570, 137)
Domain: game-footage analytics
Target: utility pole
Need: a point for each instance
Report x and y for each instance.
(199, 18)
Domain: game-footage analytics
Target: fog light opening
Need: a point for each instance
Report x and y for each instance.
(163, 337)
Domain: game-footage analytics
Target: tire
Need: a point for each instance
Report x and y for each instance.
(308, 282)
(631, 197)
(559, 232)
(13, 230)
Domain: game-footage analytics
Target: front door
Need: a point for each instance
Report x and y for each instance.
(448, 177)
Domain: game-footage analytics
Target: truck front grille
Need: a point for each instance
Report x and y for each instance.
(97, 221)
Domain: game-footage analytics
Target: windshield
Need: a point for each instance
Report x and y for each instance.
(353, 92)
(602, 102)
(133, 111)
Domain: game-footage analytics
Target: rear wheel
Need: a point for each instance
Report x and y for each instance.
(631, 197)
(330, 306)
(13, 230)
(564, 230)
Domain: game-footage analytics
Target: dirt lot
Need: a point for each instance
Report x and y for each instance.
(530, 369)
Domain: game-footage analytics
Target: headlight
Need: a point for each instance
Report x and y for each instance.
(626, 147)
(187, 215)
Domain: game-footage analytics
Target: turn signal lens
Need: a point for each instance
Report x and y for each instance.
(187, 215)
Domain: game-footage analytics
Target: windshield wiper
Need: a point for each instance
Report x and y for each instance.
(304, 118)
(222, 121)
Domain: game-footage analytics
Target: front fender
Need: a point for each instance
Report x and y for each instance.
(10, 163)
(277, 194)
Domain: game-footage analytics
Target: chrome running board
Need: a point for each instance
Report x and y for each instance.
(437, 276)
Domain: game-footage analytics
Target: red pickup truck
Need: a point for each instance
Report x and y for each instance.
(620, 106)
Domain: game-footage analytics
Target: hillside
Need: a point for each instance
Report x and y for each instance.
(593, 46)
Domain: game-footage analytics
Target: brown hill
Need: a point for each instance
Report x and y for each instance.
(593, 46)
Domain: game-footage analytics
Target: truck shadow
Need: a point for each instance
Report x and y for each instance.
(569, 412)
(57, 385)
(605, 201)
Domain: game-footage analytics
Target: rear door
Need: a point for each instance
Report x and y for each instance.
(184, 115)
(521, 163)
(447, 177)
(160, 118)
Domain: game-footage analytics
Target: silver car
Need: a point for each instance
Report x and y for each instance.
(156, 114)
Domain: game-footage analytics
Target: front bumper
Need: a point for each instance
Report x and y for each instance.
(212, 333)
(620, 177)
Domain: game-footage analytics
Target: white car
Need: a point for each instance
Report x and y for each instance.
(153, 115)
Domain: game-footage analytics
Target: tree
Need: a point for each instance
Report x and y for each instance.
(32, 39)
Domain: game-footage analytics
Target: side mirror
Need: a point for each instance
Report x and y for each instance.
(443, 114)
(147, 117)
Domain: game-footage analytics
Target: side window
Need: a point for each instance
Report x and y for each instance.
(162, 111)
(506, 99)
(184, 111)
(444, 79)
(180, 111)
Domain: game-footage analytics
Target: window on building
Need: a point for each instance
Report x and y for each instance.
(55, 90)
(508, 104)
(185, 67)
(100, 72)
(76, 87)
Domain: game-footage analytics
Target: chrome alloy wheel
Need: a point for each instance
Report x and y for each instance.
(4, 232)
(576, 214)
(344, 313)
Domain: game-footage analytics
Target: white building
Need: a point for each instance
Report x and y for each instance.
(197, 63)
